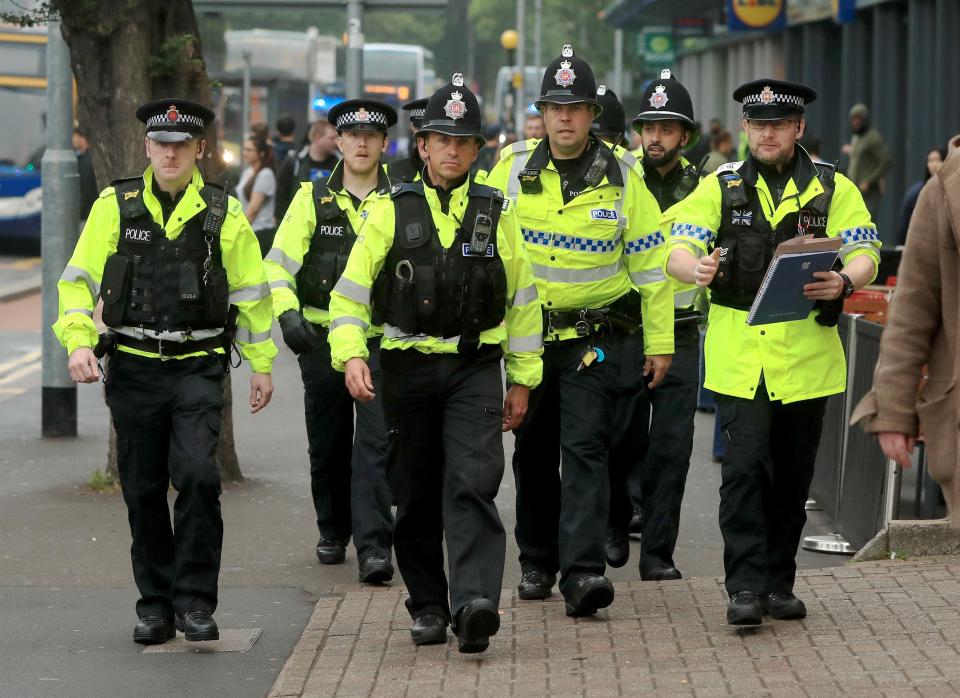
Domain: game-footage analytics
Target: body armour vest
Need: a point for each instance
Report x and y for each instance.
(425, 288)
(747, 241)
(330, 247)
(679, 189)
(160, 284)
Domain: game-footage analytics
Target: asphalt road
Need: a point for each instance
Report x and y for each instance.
(65, 579)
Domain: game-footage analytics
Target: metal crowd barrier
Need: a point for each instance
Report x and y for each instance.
(853, 481)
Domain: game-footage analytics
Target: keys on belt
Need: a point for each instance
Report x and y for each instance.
(580, 320)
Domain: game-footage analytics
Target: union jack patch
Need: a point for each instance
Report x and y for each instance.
(742, 217)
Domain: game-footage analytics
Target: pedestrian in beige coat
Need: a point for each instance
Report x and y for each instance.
(924, 331)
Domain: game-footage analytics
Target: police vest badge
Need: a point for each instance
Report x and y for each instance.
(659, 99)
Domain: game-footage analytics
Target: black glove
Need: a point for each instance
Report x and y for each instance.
(829, 314)
(298, 334)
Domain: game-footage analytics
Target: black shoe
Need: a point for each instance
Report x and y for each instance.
(783, 606)
(197, 626)
(660, 574)
(429, 629)
(636, 521)
(536, 584)
(588, 594)
(476, 623)
(330, 551)
(744, 609)
(617, 548)
(154, 630)
(376, 570)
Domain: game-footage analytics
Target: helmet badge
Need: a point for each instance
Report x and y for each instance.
(659, 99)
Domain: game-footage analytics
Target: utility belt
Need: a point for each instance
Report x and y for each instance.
(167, 349)
(623, 315)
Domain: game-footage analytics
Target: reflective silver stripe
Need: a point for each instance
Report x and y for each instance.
(283, 284)
(247, 337)
(391, 332)
(349, 320)
(138, 333)
(685, 299)
(648, 276)
(82, 311)
(629, 159)
(352, 290)
(72, 273)
(847, 249)
(249, 293)
(618, 203)
(277, 255)
(316, 310)
(513, 181)
(522, 296)
(531, 342)
(576, 276)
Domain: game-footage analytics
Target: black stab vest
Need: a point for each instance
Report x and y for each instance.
(160, 284)
(425, 288)
(748, 241)
(333, 238)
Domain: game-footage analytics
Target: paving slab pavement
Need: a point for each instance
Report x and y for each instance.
(889, 628)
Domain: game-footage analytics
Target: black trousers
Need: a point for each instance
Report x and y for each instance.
(561, 454)
(445, 463)
(650, 469)
(767, 467)
(348, 476)
(167, 418)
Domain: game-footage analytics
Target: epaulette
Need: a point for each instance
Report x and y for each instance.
(730, 166)
(406, 188)
(107, 192)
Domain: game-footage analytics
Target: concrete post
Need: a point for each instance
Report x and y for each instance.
(246, 98)
(59, 232)
(354, 49)
(520, 107)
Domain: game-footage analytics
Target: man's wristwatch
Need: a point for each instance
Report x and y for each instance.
(848, 288)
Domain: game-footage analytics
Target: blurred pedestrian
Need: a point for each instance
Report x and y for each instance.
(88, 180)
(261, 130)
(934, 161)
(257, 190)
(918, 346)
(533, 126)
(699, 146)
(314, 162)
(721, 152)
(869, 157)
(283, 143)
(811, 144)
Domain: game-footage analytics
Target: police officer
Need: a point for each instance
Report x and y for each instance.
(407, 169)
(347, 476)
(177, 267)
(591, 232)
(771, 381)
(610, 123)
(445, 267)
(656, 467)
(315, 161)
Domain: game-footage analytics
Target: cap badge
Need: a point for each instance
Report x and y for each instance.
(567, 51)
(767, 95)
(601, 90)
(565, 75)
(659, 98)
(457, 80)
(172, 113)
(363, 114)
(455, 108)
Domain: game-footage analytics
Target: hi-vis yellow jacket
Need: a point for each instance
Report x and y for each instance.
(591, 251)
(799, 360)
(521, 334)
(293, 237)
(79, 286)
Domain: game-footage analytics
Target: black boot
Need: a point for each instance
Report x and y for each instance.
(783, 606)
(587, 594)
(331, 551)
(536, 584)
(429, 629)
(154, 630)
(744, 609)
(197, 626)
(617, 548)
(476, 623)
(376, 570)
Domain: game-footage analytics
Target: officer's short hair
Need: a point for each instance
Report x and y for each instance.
(286, 125)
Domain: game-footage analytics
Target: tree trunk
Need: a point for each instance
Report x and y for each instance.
(125, 53)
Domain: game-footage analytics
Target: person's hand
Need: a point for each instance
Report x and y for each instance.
(298, 334)
(515, 407)
(82, 366)
(828, 288)
(261, 390)
(864, 188)
(358, 379)
(658, 365)
(897, 447)
(846, 149)
(706, 268)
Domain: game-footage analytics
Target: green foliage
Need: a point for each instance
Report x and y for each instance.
(23, 17)
(102, 481)
(173, 57)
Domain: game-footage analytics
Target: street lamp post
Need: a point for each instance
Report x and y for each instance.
(509, 39)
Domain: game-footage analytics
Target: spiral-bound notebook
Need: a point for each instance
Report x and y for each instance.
(780, 298)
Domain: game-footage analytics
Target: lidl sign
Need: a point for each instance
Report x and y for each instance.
(756, 15)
